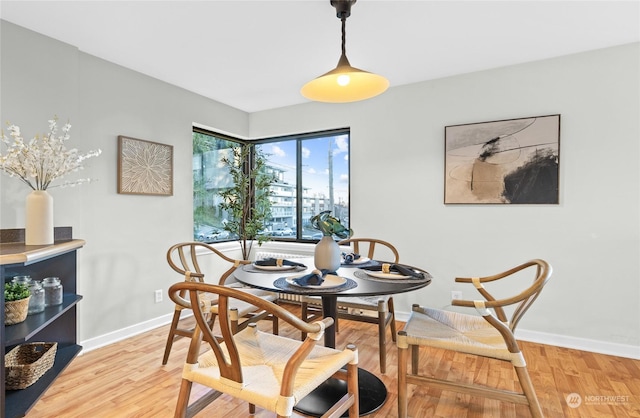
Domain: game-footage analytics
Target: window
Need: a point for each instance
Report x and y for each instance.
(311, 174)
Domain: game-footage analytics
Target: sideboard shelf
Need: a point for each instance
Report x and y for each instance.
(18, 402)
(55, 324)
(24, 331)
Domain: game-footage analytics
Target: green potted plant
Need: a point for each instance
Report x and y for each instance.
(330, 225)
(327, 251)
(248, 201)
(16, 302)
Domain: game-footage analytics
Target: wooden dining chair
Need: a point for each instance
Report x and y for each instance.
(489, 335)
(265, 370)
(185, 258)
(369, 309)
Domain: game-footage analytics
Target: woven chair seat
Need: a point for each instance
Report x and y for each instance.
(240, 305)
(265, 370)
(365, 302)
(243, 308)
(490, 334)
(361, 302)
(264, 357)
(455, 331)
(262, 294)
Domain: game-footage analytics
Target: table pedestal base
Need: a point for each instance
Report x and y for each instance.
(372, 393)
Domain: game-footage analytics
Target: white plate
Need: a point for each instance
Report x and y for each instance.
(381, 275)
(358, 261)
(274, 268)
(330, 280)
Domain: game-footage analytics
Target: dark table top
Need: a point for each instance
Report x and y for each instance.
(373, 392)
(366, 286)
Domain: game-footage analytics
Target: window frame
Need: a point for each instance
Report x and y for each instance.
(299, 138)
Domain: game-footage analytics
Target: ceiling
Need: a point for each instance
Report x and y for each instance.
(256, 55)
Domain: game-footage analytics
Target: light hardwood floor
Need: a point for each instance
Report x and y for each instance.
(126, 380)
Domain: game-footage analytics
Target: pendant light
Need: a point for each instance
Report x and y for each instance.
(344, 83)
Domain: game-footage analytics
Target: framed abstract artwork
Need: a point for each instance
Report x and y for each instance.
(513, 161)
(144, 167)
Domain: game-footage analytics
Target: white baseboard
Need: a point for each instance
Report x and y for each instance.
(584, 344)
(577, 343)
(124, 333)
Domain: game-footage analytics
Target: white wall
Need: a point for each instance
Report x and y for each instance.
(591, 237)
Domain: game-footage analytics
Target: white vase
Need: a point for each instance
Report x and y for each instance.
(327, 254)
(39, 218)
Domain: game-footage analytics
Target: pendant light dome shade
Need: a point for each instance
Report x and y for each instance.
(344, 83)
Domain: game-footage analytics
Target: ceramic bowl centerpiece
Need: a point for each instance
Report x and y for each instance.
(327, 251)
(16, 303)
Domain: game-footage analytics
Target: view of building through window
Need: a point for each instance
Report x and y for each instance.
(311, 172)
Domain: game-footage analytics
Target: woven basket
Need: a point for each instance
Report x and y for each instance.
(16, 311)
(26, 363)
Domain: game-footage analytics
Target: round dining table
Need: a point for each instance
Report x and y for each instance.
(372, 391)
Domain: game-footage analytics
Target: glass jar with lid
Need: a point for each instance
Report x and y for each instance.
(52, 291)
(36, 303)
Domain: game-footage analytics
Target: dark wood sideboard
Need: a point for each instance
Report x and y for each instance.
(55, 324)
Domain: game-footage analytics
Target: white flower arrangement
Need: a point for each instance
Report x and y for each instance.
(44, 159)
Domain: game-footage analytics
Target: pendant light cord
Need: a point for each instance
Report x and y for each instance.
(343, 18)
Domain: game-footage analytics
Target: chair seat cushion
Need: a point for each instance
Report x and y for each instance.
(264, 358)
(362, 302)
(365, 302)
(264, 294)
(243, 308)
(455, 331)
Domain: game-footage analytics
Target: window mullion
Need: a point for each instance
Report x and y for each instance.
(299, 195)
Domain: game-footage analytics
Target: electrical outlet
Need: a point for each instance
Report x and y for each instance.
(456, 294)
(158, 294)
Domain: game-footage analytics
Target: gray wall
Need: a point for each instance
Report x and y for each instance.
(127, 235)
(591, 237)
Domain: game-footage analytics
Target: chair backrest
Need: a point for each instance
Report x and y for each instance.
(183, 257)
(228, 358)
(523, 300)
(369, 245)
